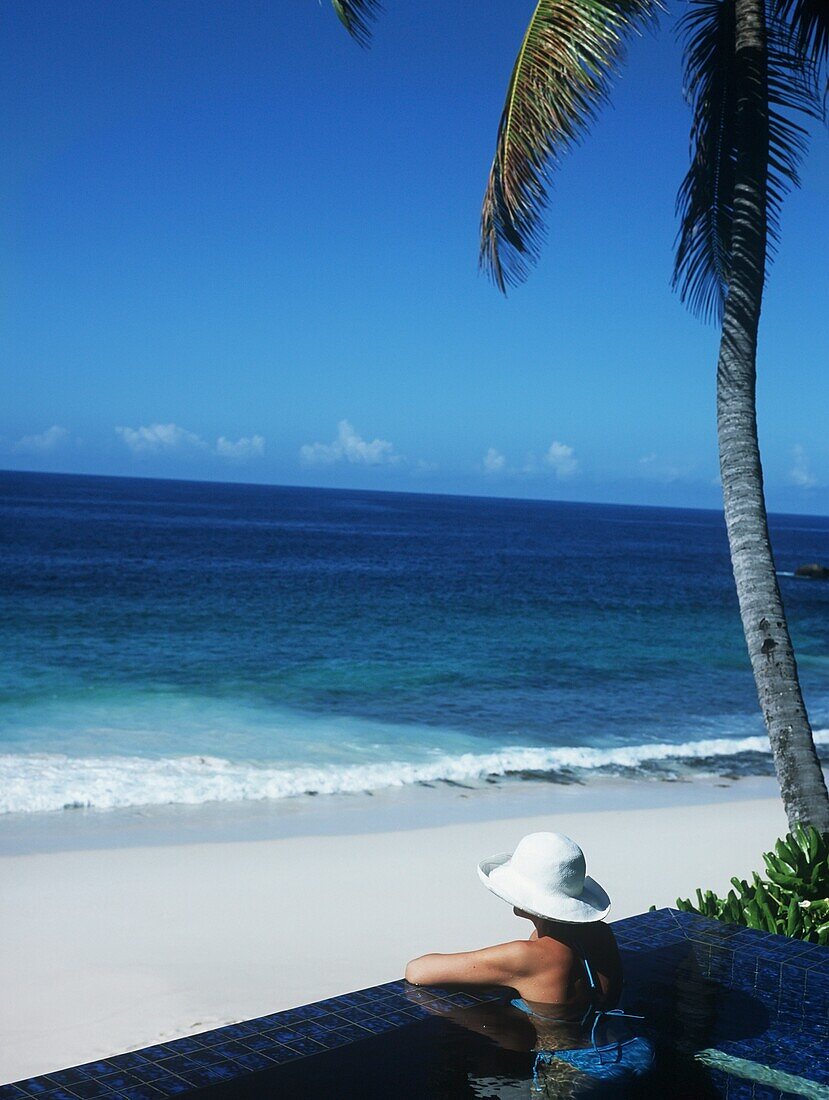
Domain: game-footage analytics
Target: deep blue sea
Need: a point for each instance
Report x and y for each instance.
(166, 641)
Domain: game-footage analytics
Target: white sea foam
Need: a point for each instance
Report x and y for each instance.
(37, 782)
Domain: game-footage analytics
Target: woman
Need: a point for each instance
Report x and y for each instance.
(567, 975)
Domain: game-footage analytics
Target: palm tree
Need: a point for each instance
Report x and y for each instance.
(752, 66)
(748, 78)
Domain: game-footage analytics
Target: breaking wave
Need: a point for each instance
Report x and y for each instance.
(49, 781)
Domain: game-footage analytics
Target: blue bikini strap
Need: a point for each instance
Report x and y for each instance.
(593, 985)
(600, 1012)
(594, 1010)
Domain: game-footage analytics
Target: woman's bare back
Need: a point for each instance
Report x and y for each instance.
(556, 976)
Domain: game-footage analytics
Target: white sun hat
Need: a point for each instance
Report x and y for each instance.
(545, 876)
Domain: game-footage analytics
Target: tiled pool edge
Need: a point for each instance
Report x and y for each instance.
(791, 978)
(237, 1050)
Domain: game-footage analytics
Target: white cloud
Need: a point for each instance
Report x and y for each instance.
(42, 442)
(247, 447)
(157, 438)
(655, 467)
(494, 461)
(801, 472)
(562, 459)
(166, 438)
(349, 447)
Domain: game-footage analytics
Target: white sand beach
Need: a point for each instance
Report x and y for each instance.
(120, 931)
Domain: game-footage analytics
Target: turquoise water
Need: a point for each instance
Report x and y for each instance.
(169, 641)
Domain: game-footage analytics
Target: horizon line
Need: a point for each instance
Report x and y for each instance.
(388, 492)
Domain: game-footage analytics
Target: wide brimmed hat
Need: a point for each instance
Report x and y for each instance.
(545, 876)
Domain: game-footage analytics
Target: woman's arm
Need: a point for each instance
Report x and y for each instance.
(503, 964)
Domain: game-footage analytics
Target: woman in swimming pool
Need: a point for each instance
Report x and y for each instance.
(567, 976)
(545, 881)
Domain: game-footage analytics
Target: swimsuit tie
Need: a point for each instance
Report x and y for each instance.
(608, 1012)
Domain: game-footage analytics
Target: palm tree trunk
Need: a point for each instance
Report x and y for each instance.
(761, 608)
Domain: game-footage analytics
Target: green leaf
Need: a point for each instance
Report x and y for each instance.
(357, 16)
(790, 902)
(715, 84)
(809, 22)
(568, 56)
(794, 919)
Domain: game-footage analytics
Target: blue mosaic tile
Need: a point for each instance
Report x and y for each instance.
(316, 1031)
(382, 1000)
(329, 1021)
(279, 1054)
(308, 1012)
(68, 1077)
(268, 1021)
(35, 1086)
(738, 1089)
(181, 1046)
(816, 999)
(765, 1092)
(259, 1042)
(141, 1092)
(236, 1031)
(230, 1049)
(397, 1018)
(90, 1089)
(719, 965)
(170, 1085)
(389, 1003)
(353, 1031)
(743, 970)
(335, 1039)
(178, 1065)
(96, 1069)
(253, 1061)
(358, 998)
(284, 1034)
(358, 1015)
(150, 1053)
(378, 1024)
(767, 978)
(118, 1081)
(211, 1038)
(306, 1046)
(212, 1075)
(149, 1073)
(206, 1056)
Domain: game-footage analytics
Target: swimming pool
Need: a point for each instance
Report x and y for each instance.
(735, 1013)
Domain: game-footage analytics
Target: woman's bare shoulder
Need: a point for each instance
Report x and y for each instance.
(500, 964)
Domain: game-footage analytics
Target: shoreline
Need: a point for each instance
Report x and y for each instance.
(413, 806)
(174, 923)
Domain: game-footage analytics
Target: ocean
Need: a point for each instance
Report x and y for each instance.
(181, 642)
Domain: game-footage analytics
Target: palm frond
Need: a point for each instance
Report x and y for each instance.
(705, 203)
(357, 16)
(570, 51)
(706, 195)
(809, 24)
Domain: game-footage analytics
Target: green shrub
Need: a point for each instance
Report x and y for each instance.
(792, 899)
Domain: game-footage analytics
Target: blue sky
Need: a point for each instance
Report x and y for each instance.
(238, 247)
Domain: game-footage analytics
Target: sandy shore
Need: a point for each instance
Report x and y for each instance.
(120, 930)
